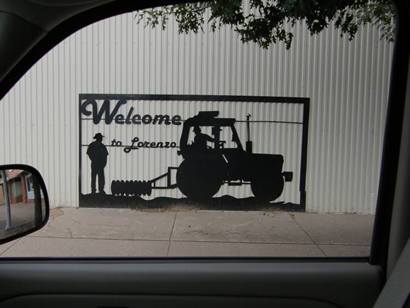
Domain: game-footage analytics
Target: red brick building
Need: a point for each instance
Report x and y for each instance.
(20, 187)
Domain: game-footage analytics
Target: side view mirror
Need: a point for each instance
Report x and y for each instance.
(24, 206)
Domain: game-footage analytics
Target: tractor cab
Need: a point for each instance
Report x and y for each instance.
(207, 133)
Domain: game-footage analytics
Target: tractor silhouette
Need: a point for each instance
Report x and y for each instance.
(204, 170)
(209, 161)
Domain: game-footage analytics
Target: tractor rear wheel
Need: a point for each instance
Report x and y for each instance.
(199, 180)
(267, 189)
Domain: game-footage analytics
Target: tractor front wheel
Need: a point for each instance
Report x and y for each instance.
(198, 180)
(267, 189)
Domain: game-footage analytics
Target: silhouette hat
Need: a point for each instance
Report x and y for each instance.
(98, 135)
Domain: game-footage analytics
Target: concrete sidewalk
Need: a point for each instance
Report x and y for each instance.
(21, 213)
(123, 232)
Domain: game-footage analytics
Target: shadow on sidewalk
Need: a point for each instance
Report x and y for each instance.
(165, 203)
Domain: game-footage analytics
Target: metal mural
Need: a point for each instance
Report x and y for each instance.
(145, 150)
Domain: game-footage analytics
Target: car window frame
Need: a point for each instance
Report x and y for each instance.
(391, 144)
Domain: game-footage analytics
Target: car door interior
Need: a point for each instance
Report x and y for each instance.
(216, 283)
(207, 282)
(397, 289)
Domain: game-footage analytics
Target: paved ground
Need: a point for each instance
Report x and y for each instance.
(125, 232)
(20, 213)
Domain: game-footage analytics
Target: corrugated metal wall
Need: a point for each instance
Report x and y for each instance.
(347, 82)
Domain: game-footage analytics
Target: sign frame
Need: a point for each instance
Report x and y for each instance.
(304, 101)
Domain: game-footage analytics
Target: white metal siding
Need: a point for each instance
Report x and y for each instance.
(346, 81)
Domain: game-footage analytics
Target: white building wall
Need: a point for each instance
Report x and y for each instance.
(346, 81)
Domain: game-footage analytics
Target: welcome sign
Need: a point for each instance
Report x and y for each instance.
(109, 113)
(148, 150)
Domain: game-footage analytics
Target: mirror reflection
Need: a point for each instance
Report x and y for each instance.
(22, 204)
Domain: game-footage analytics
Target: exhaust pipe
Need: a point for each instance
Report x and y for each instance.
(248, 129)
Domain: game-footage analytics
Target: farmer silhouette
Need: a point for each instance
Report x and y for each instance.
(201, 140)
(97, 152)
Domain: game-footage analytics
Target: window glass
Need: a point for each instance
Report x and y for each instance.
(159, 143)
